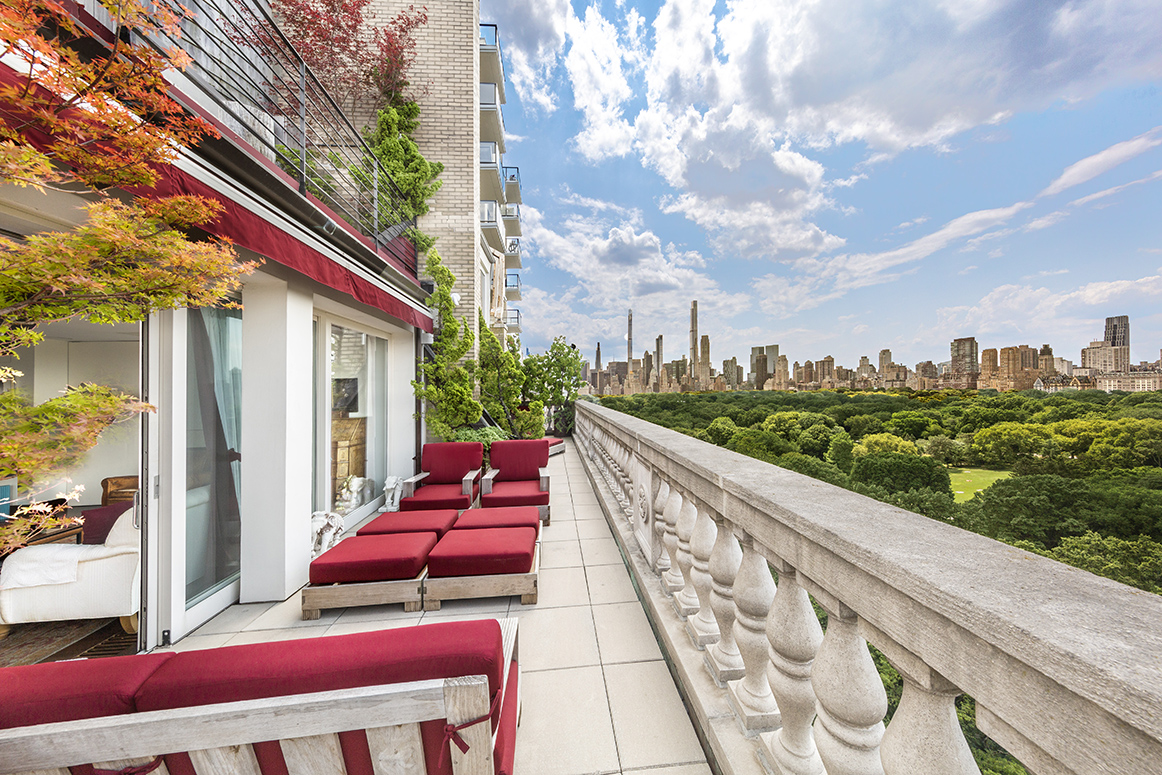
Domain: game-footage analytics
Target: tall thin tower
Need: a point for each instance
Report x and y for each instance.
(658, 362)
(629, 349)
(694, 373)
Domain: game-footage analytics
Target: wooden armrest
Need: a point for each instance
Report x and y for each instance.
(486, 482)
(409, 484)
(468, 480)
(544, 472)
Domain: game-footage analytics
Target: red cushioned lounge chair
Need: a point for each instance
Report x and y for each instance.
(518, 476)
(369, 570)
(449, 477)
(442, 699)
(484, 562)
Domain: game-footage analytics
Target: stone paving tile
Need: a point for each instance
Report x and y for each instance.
(561, 554)
(269, 636)
(601, 551)
(559, 587)
(649, 719)
(233, 618)
(349, 628)
(624, 634)
(593, 528)
(609, 584)
(555, 638)
(289, 614)
(565, 723)
(560, 530)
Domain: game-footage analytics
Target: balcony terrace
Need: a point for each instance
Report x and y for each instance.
(491, 186)
(512, 258)
(512, 286)
(491, 225)
(511, 215)
(511, 177)
(491, 117)
(596, 690)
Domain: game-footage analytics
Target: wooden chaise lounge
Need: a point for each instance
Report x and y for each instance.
(385, 563)
(440, 699)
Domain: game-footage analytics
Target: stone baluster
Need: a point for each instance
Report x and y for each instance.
(850, 698)
(794, 634)
(754, 589)
(686, 599)
(672, 579)
(703, 628)
(924, 735)
(661, 560)
(723, 659)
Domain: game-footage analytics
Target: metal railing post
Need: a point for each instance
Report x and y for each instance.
(303, 127)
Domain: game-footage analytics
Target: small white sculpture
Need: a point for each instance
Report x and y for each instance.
(356, 491)
(392, 490)
(325, 529)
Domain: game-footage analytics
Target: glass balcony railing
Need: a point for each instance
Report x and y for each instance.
(510, 211)
(488, 210)
(511, 175)
(512, 318)
(490, 154)
(488, 95)
(251, 76)
(512, 280)
(512, 247)
(489, 36)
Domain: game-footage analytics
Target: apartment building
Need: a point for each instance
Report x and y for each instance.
(459, 77)
(298, 400)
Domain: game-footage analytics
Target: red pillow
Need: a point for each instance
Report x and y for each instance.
(447, 461)
(520, 459)
(98, 522)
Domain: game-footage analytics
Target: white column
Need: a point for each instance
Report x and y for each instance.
(659, 560)
(851, 702)
(672, 579)
(686, 599)
(754, 589)
(703, 628)
(723, 659)
(794, 634)
(277, 417)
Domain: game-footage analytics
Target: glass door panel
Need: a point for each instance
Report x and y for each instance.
(213, 444)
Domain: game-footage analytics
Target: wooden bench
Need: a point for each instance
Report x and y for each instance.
(312, 731)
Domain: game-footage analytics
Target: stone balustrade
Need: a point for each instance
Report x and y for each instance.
(1065, 667)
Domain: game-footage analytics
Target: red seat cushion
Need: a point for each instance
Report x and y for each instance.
(519, 459)
(253, 671)
(447, 461)
(373, 558)
(67, 691)
(514, 494)
(483, 552)
(504, 750)
(510, 516)
(439, 496)
(438, 522)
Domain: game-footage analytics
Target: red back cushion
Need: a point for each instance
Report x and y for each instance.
(99, 521)
(520, 459)
(447, 461)
(257, 670)
(67, 691)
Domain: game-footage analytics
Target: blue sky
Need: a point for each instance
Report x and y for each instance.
(837, 176)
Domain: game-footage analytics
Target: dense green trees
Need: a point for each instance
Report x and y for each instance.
(900, 472)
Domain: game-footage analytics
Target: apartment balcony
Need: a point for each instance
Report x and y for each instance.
(491, 118)
(281, 122)
(512, 320)
(511, 177)
(510, 213)
(512, 254)
(491, 185)
(491, 61)
(491, 225)
(512, 286)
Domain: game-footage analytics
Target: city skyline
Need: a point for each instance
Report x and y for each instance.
(966, 185)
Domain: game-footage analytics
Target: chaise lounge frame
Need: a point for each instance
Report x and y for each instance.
(353, 594)
(437, 590)
(219, 737)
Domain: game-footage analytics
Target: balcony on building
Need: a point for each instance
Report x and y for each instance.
(512, 254)
(491, 62)
(285, 135)
(512, 320)
(510, 214)
(512, 286)
(491, 118)
(491, 185)
(491, 224)
(511, 177)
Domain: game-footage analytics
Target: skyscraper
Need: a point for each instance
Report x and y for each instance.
(694, 373)
(885, 359)
(965, 356)
(704, 361)
(629, 345)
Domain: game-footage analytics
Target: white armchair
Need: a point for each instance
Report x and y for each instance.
(54, 582)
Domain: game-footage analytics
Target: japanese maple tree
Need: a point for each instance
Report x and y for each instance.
(87, 111)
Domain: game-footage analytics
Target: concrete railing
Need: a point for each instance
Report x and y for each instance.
(1065, 667)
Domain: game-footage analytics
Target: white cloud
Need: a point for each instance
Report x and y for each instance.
(1103, 161)
(532, 41)
(600, 86)
(1045, 221)
(1115, 189)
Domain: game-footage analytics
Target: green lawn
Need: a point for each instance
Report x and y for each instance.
(967, 482)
